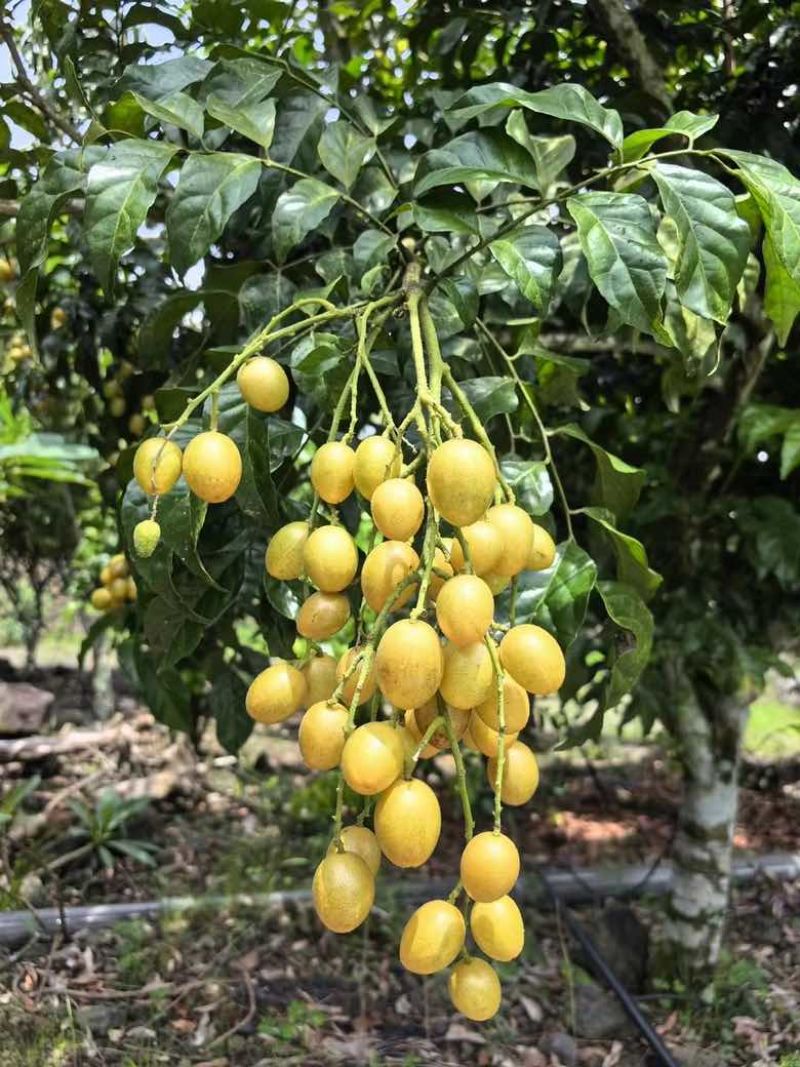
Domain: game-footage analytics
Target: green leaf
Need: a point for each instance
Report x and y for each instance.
(491, 396)
(690, 124)
(155, 333)
(479, 160)
(62, 177)
(531, 257)
(171, 635)
(446, 211)
(255, 121)
(626, 608)
(298, 211)
(782, 294)
(158, 80)
(256, 495)
(241, 82)
(227, 702)
(530, 480)
(263, 295)
(638, 143)
(210, 189)
(319, 368)
(551, 155)
(175, 109)
(713, 240)
(762, 422)
(555, 598)
(684, 123)
(344, 151)
(626, 263)
(632, 565)
(567, 101)
(771, 529)
(617, 483)
(120, 190)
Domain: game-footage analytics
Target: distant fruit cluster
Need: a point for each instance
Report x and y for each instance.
(116, 588)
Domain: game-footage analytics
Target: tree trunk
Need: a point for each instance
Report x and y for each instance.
(102, 680)
(709, 732)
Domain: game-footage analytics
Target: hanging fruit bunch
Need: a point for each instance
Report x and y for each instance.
(431, 668)
(116, 588)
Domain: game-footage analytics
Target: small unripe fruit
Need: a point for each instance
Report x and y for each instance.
(137, 424)
(157, 465)
(117, 406)
(372, 758)
(263, 384)
(212, 466)
(332, 471)
(146, 536)
(377, 459)
(284, 558)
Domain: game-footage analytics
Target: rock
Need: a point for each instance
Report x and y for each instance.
(625, 944)
(563, 1047)
(22, 707)
(598, 1013)
(100, 1018)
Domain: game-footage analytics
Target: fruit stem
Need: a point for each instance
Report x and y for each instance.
(461, 777)
(268, 335)
(512, 611)
(424, 398)
(428, 550)
(501, 734)
(529, 402)
(213, 418)
(411, 761)
(462, 400)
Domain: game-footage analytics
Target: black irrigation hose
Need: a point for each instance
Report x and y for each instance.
(600, 964)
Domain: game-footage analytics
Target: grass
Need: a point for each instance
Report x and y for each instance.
(773, 729)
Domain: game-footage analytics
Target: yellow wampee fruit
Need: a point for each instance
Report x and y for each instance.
(520, 775)
(408, 822)
(485, 548)
(284, 556)
(497, 582)
(101, 599)
(349, 689)
(440, 563)
(119, 589)
(332, 471)
(543, 550)
(457, 717)
(132, 591)
(489, 866)
(321, 735)
(263, 384)
(363, 843)
(343, 891)
(212, 466)
(432, 937)
(533, 658)
(398, 509)
(475, 989)
(384, 569)
(412, 735)
(461, 480)
(119, 566)
(157, 465)
(498, 929)
(276, 693)
(409, 663)
(322, 615)
(516, 706)
(373, 758)
(330, 558)
(320, 676)
(465, 609)
(516, 533)
(468, 674)
(487, 740)
(376, 460)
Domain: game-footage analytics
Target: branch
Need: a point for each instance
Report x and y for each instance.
(32, 91)
(622, 27)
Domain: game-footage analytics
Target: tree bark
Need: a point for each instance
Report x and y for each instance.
(102, 680)
(622, 28)
(709, 732)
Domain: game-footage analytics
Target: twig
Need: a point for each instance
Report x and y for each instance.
(7, 36)
(249, 1016)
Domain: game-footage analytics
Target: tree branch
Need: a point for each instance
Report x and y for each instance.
(629, 40)
(27, 86)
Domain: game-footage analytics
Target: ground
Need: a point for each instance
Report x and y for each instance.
(251, 984)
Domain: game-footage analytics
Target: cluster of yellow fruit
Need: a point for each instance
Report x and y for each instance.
(211, 463)
(117, 586)
(18, 350)
(440, 671)
(113, 391)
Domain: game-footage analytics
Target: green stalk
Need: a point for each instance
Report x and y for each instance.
(501, 740)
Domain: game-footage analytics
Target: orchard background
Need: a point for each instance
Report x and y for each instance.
(563, 242)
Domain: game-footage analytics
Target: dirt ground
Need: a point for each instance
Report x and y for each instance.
(253, 985)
